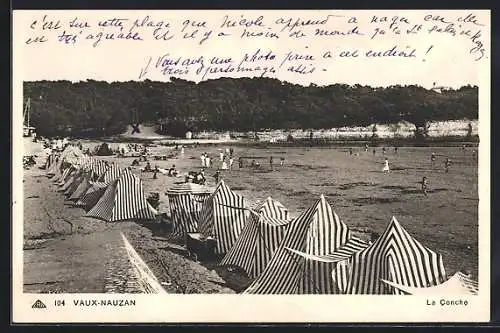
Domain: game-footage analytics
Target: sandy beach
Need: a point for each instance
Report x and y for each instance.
(68, 252)
(65, 252)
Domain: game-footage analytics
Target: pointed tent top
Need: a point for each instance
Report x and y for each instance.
(394, 223)
(269, 201)
(221, 184)
(395, 226)
(314, 208)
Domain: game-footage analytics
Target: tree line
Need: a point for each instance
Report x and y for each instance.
(98, 108)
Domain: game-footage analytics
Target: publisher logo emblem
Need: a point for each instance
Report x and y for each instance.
(38, 305)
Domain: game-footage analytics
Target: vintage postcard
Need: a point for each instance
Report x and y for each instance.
(251, 166)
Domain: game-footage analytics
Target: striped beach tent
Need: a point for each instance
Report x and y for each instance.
(124, 199)
(49, 162)
(317, 231)
(339, 259)
(397, 257)
(88, 171)
(55, 166)
(458, 284)
(222, 217)
(78, 177)
(260, 237)
(66, 176)
(97, 189)
(112, 172)
(76, 173)
(82, 188)
(185, 201)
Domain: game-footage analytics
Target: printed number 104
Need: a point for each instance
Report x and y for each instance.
(59, 302)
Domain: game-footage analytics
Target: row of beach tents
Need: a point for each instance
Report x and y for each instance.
(314, 253)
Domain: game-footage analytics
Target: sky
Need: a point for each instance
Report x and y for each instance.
(339, 45)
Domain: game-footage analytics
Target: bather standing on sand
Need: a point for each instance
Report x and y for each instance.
(224, 164)
(386, 166)
(216, 176)
(424, 185)
(433, 158)
(447, 165)
(155, 172)
(221, 156)
(203, 160)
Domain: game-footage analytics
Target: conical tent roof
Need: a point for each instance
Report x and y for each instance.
(97, 189)
(395, 256)
(123, 199)
(222, 217)
(458, 284)
(317, 231)
(82, 188)
(260, 237)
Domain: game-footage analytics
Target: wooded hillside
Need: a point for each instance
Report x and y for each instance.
(95, 108)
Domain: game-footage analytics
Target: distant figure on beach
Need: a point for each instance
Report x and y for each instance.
(240, 162)
(395, 150)
(231, 162)
(374, 151)
(255, 164)
(155, 172)
(282, 161)
(203, 160)
(231, 152)
(433, 158)
(474, 155)
(224, 164)
(423, 184)
(182, 150)
(366, 147)
(447, 164)
(172, 172)
(208, 161)
(386, 166)
(373, 237)
(383, 150)
(350, 151)
(271, 162)
(147, 168)
(221, 156)
(216, 176)
(200, 177)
